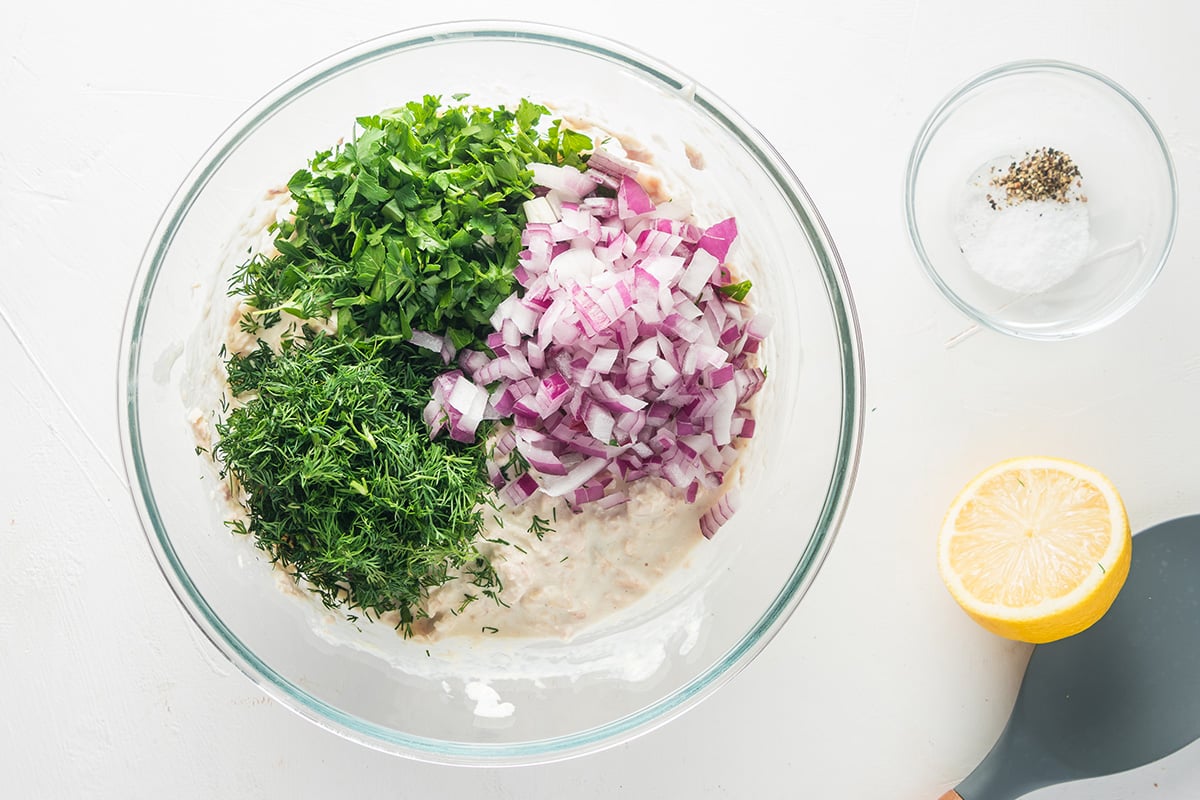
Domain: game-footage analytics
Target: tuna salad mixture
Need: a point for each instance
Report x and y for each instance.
(484, 374)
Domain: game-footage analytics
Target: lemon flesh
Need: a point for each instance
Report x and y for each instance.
(1035, 549)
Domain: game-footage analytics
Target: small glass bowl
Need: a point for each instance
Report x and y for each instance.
(1127, 177)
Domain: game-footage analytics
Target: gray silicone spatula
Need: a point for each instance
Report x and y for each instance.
(1121, 694)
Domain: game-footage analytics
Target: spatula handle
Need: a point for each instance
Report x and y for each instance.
(951, 795)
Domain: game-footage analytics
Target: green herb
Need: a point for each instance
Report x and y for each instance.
(489, 629)
(736, 291)
(540, 527)
(344, 483)
(466, 601)
(414, 224)
(515, 465)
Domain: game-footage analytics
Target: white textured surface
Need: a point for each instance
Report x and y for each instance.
(878, 687)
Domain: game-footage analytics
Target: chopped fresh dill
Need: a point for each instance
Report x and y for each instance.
(466, 601)
(516, 465)
(489, 629)
(343, 481)
(540, 527)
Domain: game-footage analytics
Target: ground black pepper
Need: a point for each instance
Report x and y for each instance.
(1044, 174)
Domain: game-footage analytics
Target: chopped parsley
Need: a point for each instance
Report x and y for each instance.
(736, 291)
(415, 223)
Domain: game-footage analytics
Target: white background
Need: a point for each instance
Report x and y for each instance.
(879, 687)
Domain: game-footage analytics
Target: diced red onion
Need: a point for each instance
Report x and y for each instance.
(495, 475)
(612, 500)
(617, 357)
(557, 486)
(698, 272)
(539, 210)
(717, 238)
(603, 178)
(574, 266)
(590, 492)
(743, 428)
(510, 334)
(535, 354)
(471, 402)
(504, 445)
(759, 326)
(603, 360)
(572, 183)
(427, 341)
(519, 490)
(721, 376)
(471, 360)
(599, 422)
(748, 382)
(551, 394)
(603, 161)
(448, 350)
(632, 199)
(435, 417)
(544, 461)
(677, 209)
(720, 513)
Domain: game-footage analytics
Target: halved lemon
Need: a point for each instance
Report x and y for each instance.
(1035, 549)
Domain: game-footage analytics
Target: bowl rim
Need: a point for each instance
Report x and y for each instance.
(941, 113)
(615, 731)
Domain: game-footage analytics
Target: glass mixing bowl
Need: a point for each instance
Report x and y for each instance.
(1127, 177)
(496, 700)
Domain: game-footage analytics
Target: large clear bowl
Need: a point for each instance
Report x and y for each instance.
(497, 700)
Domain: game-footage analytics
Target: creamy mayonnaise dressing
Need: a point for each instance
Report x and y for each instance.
(590, 565)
